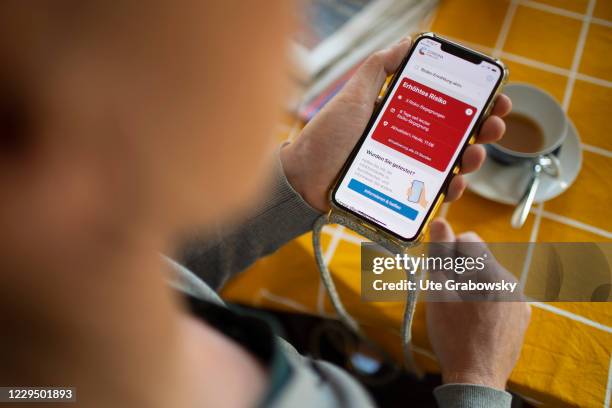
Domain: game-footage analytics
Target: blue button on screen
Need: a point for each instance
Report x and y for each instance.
(383, 199)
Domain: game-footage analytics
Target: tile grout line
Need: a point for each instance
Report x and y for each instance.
(597, 150)
(553, 10)
(327, 257)
(424, 352)
(572, 316)
(505, 28)
(593, 80)
(333, 245)
(608, 386)
(553, 69)
(576, 224)
(266, 294)
(353, 239)
(565, 13)
(571, 79)
(536, 222)
(601, 21)
(532, 238)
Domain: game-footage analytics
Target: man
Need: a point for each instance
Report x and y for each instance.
(123, 126)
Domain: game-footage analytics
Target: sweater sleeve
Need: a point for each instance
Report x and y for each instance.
(471, 396)
(218, 255)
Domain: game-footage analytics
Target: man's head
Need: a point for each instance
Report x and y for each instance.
(134, 117)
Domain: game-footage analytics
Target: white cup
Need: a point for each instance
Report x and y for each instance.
(543, 109)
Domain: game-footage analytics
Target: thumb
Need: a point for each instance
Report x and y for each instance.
(442, 239)
(470, 244)
(441, 231)
(442, 245)
(367, 81)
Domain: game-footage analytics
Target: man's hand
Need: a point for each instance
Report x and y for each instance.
(475, 342)
(314, 159)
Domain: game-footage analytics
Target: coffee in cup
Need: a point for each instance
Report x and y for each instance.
(536, 126)
(523, 134)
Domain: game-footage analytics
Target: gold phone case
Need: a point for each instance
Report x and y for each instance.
(383, 236)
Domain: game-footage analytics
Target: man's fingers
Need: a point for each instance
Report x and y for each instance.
(472, 159)
(494, 127)
(396, 55)
(456, 188)
(502, 106)
(492, 130)
(441, 245)
(366, 83)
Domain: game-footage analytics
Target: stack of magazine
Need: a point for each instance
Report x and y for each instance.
(335, 36)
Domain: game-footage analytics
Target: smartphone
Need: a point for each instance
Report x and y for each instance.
(432, 107)
(415, 191)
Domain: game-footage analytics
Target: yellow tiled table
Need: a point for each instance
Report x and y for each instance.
(564, 47)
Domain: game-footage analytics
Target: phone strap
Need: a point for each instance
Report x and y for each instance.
(334, 217)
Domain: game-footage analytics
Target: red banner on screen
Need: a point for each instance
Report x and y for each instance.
(424, 124)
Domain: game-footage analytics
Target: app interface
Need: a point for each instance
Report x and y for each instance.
(411, 147)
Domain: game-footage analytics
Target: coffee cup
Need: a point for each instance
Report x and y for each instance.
(537, 126)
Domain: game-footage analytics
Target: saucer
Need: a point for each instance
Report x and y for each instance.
(506, 184)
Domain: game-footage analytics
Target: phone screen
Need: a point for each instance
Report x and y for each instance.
(421, 129)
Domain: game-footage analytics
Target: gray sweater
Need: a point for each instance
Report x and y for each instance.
(210, 259)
